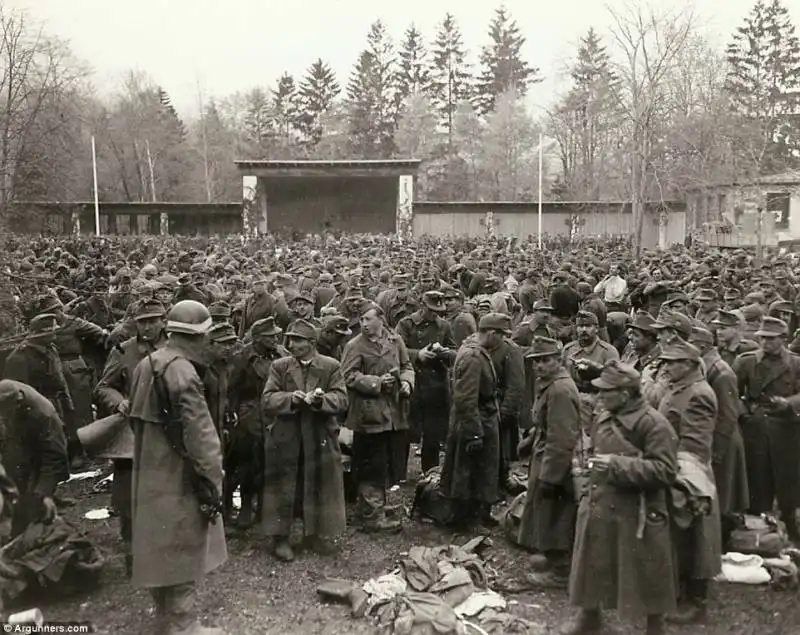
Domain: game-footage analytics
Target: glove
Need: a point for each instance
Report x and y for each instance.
(49, 510)
(473, 446)
(525, 446)
(548, 491)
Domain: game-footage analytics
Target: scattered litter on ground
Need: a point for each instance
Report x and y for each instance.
(98, 514)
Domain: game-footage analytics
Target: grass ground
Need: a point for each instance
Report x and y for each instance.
(254, 593)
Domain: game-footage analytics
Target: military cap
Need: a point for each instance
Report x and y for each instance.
(149, 308)
(732, 294)
(304, 296)
(766, 282)
(701, 335)
(456, 268)
(283, 279)
(542, 305)
(100, 283)
(642, 321)
(325, 277)
(354, 293)
(265, 326)
(495, 321)
(328, 311)
(123, 273)
(560, 276)
(484, 300)
(618, 319)
(586, 318)
(434, 300)
(752, 312)
(400, 278)
(197, 267)
(680, 350)
(450, 291)
(336, 323)
(615, 375)
(772, 327)
(674, 320)
(726, 319)
(676, 296)
(756, 297)
(302, 329)
(259, 278)
(184, 279)
(42, 322)
(784, 306)
(705, 295)
(544, 347)
(219, 309)
(222, 332)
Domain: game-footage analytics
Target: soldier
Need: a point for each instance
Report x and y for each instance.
(178, 535)
(730, 340)
(304, 394)
(472, 457)
(732, 300)
(621, 558)
(728, 458)
(323, 293)
(259, 306)
(690, 405)
(112, 395)
(244, 455)
(189, 290)
(332, 336)
(397, 302)
(123, 295)
(222, 341)
(380, 379)
(35, 451)
(462, 322)
(220, 312)
(585, 358)
(708, 310)
(96, 308)
(301, 307)
(769, 384)
(429, 340)
(643, 354)
(548, 518)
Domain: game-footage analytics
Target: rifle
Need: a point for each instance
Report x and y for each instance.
(206, 491)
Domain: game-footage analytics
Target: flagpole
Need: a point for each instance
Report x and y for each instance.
(96, 195)
(540, 191)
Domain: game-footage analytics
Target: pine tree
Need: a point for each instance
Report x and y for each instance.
(285, 107)
(504, 68)
(169, 116)
(372, 96)
(257, 118)
(451, 81)
(413, 75)
(763, 81)
(318, 90)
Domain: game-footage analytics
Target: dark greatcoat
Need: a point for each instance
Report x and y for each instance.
(771, 441)
(547, 524)
(474, 413)
(730, 467)
(302, 449)
(612, 566)
(523, 337)
(255, 309)
(690, 405)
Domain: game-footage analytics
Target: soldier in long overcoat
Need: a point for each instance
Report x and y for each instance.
(422, 331)
(690, 405)
(260, 305)
(622, 557)
(305, 394)
(728, 461)
(548, 518)
(174, 541)
(472, 456)
(380, 379)
(244, 450)
(769, 384)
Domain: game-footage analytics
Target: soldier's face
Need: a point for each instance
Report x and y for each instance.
(302, 308)
(586, 332)
(299, 348)
(149, 329)
(452, 302)
(677, 369)
(545, 366)
(639, 340)
(371, 323)
(542, 317)
(614, 399)
(163, 295)
(771, 344)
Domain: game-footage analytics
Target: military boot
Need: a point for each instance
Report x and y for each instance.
(655, 625)
(283, 550)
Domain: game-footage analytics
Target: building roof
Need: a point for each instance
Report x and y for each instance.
(314, 163)
(791, 177)
(280, 169)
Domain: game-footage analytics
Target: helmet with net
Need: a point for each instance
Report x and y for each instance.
(188, 317)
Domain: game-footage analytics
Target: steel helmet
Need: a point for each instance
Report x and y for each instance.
(188, 317)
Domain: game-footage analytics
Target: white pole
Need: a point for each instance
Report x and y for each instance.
(540, 191)
(96, 194)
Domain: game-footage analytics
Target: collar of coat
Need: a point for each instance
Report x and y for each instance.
(784, 356)
(629, 416)
(650, 356)
(418, 318)
(310, 379)
(691, 378)
(711, 357)
(561, 373)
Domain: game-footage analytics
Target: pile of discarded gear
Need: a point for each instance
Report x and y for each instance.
(441, 590)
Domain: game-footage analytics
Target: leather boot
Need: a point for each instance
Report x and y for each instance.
(283, 550)
(655, 625)
(245, 518)
(588, 621)
(320, 546)
(694, 609)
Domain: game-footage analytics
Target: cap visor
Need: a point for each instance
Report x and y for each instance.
(602, 384)
(760, 333)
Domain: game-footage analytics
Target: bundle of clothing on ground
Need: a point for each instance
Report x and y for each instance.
(441, 590)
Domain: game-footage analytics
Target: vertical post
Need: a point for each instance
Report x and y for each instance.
(163, 228)
(96, 194)
(759, 235)
(404, 220)
(249, 202)
(76, 222)
(263, 212)
(541, 141)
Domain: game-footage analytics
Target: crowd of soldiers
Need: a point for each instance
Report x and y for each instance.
(235, 365)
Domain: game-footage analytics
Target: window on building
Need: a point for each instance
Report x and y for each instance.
(778, 206)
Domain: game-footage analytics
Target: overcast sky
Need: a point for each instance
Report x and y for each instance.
(231, 45)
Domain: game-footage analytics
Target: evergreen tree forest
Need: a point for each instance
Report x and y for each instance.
(649, 109)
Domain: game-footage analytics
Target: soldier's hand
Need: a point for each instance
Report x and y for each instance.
(600, 462)
(426, 354)
(779, 404)
(124, 407)
(49, 510)
(387, 381)
(298, 397)
(473, 446)
(405, 389)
